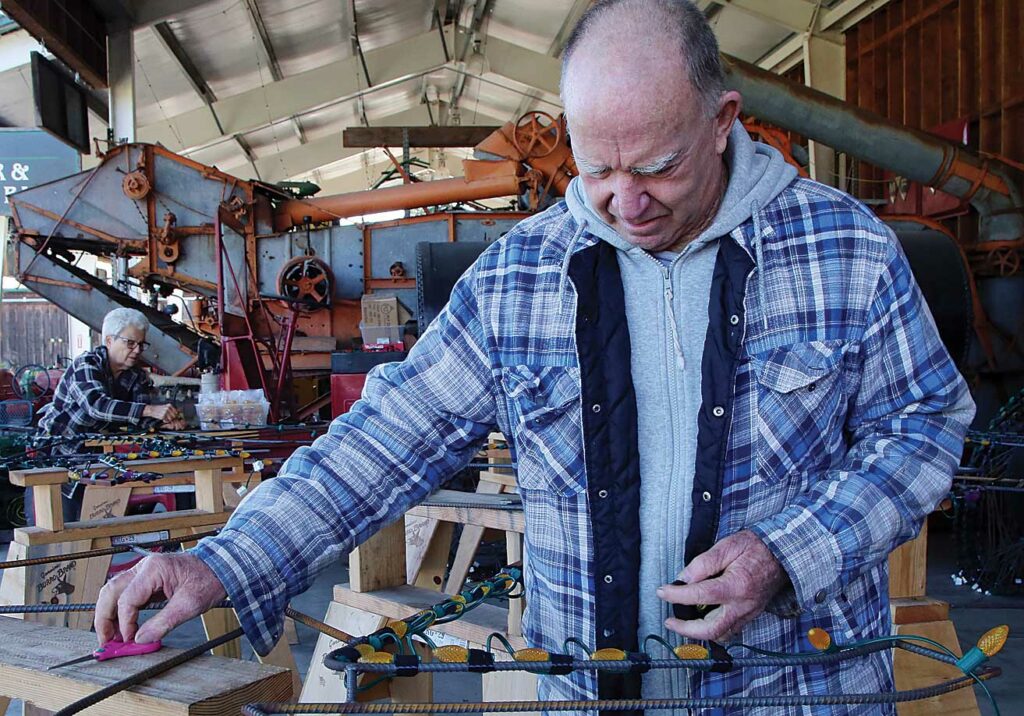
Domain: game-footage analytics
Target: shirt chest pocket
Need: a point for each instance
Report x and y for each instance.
(800, 407)
(547, 433)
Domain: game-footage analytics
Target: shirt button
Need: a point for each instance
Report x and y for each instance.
(718, 411)
(812, 386)
(706, 496)
(608, 632)
(608, 579)
(602, 494)
(821, 596)
(596, 407)
(734, 319)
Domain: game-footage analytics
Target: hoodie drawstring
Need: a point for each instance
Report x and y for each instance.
(762, 295)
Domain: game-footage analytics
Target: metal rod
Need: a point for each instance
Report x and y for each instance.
(991, 186)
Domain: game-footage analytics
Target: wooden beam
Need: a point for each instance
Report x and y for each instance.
(404, 601)
(204, 685)
(133, 524)
(418, 136)
(71, 31)
(160, 466)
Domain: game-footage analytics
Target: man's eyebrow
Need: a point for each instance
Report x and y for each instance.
(587, 167)
(658, 165)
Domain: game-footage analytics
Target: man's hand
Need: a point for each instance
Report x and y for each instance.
(177, 424)
(183, 579)
(739, 574)
(164, 413)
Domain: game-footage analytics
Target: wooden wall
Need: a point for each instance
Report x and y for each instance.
(927, 63)
(32, 332)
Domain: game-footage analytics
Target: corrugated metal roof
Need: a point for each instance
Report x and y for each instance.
(222, 40)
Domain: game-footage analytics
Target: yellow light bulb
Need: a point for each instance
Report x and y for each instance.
(608, 654)
(133, 456)
(198, 452)
(398, 627)
(819, 639)
(243, 454)
(992, 640)
(531, 654)
(377, 657)
(154, 453)
(691, 651)
(364, 649)
(452, 654)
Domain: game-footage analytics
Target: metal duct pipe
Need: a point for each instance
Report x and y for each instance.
(992, 187)
(294, 212)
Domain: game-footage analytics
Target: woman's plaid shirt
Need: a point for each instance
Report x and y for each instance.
(847, 422)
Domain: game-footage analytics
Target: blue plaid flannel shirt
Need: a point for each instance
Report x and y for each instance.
(847, 423)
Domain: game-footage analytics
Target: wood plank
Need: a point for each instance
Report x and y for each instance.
(323, 685)
(160, 466)
(46, 499)
(504, 520)
(451, 136)
(428, 543)
(914, 671)
(91, 575)
(209, 491)
(133, 524)
(469, 543)
(218, 622)
(908, 567)
(379, 561)
(205, 685)
(499, 686)
(403, 601)
(916, 611)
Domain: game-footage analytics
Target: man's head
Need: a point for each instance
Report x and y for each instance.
(648, 117)
(124, 335)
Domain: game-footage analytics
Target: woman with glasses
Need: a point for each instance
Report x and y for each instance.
(105, 389)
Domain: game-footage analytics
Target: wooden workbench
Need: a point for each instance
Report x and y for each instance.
(204, 685)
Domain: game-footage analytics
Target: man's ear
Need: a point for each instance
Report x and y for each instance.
(729, 106)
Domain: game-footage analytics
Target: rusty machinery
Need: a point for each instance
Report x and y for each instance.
(267, 272)
(264, 264)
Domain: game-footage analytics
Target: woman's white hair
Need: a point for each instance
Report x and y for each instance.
(120, 318)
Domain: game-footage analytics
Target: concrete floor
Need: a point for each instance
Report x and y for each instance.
(973, 614)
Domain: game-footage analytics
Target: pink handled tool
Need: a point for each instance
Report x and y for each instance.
(114, 650)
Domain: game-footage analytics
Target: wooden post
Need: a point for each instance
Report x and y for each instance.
(379, 562)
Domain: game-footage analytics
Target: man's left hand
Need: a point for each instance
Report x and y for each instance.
(739, 574)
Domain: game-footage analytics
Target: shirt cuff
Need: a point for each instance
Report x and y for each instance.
(809, 555)
(252, 582)
(135, 414)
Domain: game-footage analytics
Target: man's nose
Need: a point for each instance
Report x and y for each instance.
(631, 200)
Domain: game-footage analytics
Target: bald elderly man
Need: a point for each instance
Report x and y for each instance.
(710, 371)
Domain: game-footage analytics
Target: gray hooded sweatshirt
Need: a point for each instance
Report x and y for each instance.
(667, 298)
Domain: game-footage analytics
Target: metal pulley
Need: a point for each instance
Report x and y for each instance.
(135, 185)
(308, 280)
(537, 134)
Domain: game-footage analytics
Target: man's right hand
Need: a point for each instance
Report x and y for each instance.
(183, 579)
(164, 413)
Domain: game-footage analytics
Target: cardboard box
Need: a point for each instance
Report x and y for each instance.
(383, 310)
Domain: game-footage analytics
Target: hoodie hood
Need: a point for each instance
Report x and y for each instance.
(757, 174)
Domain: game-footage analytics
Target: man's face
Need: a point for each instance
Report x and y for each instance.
(648, 153)
(125, 349)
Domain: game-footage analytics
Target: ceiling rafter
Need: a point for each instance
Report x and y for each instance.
(572, 17)
(838, 18)
(795, 15)
(169, 41)
(272, 62)
(339, 82)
